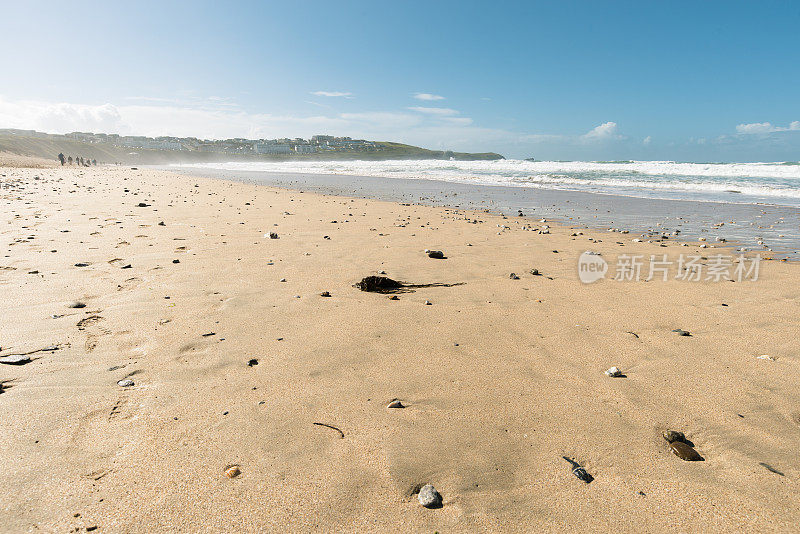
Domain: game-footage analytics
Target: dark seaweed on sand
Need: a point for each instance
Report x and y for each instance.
(383, 284)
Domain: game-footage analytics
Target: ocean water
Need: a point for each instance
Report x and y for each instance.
(776, 183)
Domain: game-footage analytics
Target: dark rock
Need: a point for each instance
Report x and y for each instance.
(579, 471)
(436, 254)
(81, 264)
(76, 305)
(673, 435)
(15, 359)
(325, 294)
(142, 205)
(513, 276)
(273, 235)
(395, 404)
(252, 362)
(176, 261)
(682, 332)
(685, 452)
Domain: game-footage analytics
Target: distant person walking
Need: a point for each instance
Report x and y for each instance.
(69, 159)
(61, 159)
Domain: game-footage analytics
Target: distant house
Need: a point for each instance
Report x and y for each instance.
(304, 149)
(271, 148)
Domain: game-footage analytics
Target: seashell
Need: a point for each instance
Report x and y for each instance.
(232, 471)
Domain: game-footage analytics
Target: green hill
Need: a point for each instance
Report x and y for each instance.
(29, 143)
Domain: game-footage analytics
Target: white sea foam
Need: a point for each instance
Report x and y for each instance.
(712, 181)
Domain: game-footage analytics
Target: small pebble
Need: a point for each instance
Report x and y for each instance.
(325, 294)
(125, 383)
(436, 254)
(395, 404)
(673, 435)
(252, 362)
(233, 471)
(513, 276)
(429, 497)
(681, 332)
(613, 372)
(685, 452)
(76, 305)
(428, 303)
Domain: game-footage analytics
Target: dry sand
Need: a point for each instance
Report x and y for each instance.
(501, 378)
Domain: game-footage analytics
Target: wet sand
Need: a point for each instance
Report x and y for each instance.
(500, 378)
(770, 229)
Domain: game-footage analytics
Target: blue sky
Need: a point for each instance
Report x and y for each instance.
(701, 81)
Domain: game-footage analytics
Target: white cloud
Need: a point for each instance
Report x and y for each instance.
(647, 140)
(607, 130)
(427, 96)
(754, 128)
(331, 93)
(442, 112)
(431, 127)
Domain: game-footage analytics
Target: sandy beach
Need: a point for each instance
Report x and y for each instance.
(235, 356)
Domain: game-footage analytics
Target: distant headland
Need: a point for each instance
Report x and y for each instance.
(113, 148)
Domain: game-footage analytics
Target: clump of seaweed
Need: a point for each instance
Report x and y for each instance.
(384, 284)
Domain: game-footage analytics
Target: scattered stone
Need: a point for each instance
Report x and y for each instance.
(429, 497)
(282, 280)
(273, 235)
(513, 276)
(535, 272)
(176, 261)
(325, 294)
(233, 471)
(613, 372)
(252, 362)
(15, 359)
(125, 383)
(685, 452)
(579, 471)
(673, 435)
(428, 303)
(436, 254)
(162, 223)
(682, 332)
(81, 264)
(765, 357)
(128, 266)
(142, 205)
(76, 304)
(394, 297)
(395, 404)
(209, 334)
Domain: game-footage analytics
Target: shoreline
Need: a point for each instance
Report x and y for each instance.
(237, 358)
(643, 217)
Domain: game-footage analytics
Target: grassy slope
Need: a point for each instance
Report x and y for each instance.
(106, 153)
